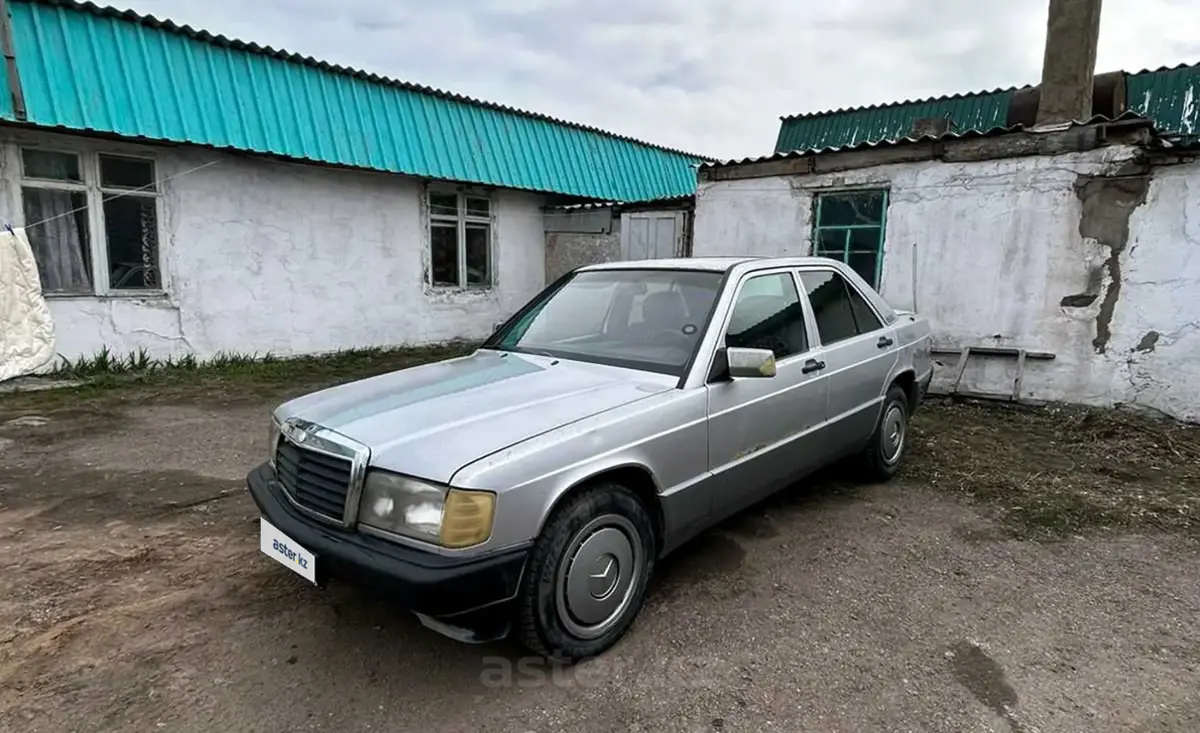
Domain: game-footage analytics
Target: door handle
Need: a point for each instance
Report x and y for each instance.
(812, 365)
(884, 342)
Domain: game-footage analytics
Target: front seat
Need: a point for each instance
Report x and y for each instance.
(662, 311)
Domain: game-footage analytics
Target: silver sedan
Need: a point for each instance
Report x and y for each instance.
(531, 487)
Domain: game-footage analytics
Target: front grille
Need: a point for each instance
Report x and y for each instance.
(315, 481)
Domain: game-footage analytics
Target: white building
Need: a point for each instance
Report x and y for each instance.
(1082, 242)
(184, 193)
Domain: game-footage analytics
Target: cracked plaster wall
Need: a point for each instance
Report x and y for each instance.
(989, 250)
(1155, 340)
(293, 259)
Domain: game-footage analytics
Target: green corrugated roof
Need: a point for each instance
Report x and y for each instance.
(848, 127)
(1169, 96)
(88, 68)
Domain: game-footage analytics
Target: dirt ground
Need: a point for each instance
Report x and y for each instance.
(1032, 570)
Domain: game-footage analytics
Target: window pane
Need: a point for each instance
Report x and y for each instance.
(443, 241)
(768, 316)
(866, 240)
(865, 264)
(850, 209)
(117, 172)
(477, 206)
(864, 316)
(831, 305)
(443, 204)
(478, 270)
(831, 243)
(51, 165)
(131, 235)
(865, 252)
(56, 222)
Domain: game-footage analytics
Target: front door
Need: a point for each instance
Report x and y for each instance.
(761, 430)
(859, 353)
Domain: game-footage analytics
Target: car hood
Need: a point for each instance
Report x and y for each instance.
(431, 420)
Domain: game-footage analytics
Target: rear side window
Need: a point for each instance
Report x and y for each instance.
(841, 311)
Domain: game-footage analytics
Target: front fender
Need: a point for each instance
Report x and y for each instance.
(664, 436)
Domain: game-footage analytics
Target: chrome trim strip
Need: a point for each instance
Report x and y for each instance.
(477, 551)
(309, 436)
(400, 539)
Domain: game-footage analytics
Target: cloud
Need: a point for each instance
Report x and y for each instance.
(711, 76)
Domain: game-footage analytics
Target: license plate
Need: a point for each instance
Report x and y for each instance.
(286, 551)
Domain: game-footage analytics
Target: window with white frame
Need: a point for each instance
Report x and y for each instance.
(460, 239)
(92, 221)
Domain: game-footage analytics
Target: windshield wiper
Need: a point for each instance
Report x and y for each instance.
(537, 352)
(525, 350)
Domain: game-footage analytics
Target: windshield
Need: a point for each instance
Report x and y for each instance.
(641, 319)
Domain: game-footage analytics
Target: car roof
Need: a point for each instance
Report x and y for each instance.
(705, 264)
(710, 264)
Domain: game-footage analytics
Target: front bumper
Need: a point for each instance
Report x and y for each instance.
(457, 592)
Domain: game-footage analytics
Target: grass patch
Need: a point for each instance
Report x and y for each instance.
(227, 375)
(1058, 471)
(106, 363)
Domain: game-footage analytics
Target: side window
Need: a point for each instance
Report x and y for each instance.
(841, 312)
(864, 315)
(768, 315)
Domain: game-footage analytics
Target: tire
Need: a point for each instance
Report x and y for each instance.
(883, 455)
(565, 611)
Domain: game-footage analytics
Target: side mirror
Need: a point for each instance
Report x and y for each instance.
(752, 363)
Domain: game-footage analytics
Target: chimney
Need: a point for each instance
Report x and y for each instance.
(1072, 33)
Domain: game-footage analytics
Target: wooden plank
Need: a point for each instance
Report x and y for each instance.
(960, 368)
(999, 351)
(1016, 393)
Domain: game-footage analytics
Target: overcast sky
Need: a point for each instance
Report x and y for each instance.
(708, 76)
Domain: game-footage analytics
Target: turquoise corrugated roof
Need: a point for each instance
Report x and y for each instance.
(848, 127)
(1170, 97)
(84, 67)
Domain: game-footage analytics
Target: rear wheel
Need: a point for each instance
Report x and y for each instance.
(587, 575)
(883, 455)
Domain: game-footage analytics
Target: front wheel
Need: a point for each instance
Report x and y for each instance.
(884, 453)
(587, 575)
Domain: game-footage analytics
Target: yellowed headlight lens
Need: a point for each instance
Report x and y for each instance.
(467, 517)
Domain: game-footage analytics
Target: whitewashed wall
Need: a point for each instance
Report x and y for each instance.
(987, 250)
(260, 256)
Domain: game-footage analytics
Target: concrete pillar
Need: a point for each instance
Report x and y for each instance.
(1072, 34)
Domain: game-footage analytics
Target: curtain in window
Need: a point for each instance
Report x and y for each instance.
(58, 241)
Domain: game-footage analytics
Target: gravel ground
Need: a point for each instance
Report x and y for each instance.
(1031, 570)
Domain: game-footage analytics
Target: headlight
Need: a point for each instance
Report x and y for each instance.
(423, 511)
(272, 442)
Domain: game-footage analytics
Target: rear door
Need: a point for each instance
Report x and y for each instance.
(760, 433)
(858, 351)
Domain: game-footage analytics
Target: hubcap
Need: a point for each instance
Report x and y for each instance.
(599, 573)
(893, 434)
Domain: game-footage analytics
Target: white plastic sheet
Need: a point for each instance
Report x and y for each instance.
(26, 328)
